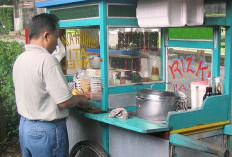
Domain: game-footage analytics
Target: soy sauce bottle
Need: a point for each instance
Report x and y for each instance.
(209, 89)
(208, 92)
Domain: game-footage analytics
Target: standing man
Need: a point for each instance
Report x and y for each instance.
(42, 94)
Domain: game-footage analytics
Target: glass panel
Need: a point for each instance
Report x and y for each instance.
(215, 10)
(79, 12)
(134, 55)
(223, 31)
(187, 70)
(82, 61)
(122, 10)
(222, 56)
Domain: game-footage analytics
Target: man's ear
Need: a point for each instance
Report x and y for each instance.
(46, 35)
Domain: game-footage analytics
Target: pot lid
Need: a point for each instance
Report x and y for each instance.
(150, 92)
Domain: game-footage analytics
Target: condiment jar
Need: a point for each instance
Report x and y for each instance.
(146, 77)
(133, 79)
(155, 71)
(122, 77)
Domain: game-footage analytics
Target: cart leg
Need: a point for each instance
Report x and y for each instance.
(224, 138)
(226, 143)
(172, 151)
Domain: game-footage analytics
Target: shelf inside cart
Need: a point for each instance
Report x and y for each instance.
(132, 123)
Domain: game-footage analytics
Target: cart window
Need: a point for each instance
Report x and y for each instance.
(82, 60)
(191, 70)
(115, 10)
(79, 12)
(132, 53)
(217, 9)
(188, 68)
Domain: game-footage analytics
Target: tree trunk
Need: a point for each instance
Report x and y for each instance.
(2, 121)
(2, 124)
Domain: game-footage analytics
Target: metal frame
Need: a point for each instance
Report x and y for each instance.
(214, 104)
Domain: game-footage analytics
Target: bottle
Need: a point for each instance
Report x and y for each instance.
(133, 79)
(218, 89)
(209, 89)
(155, 71)
(207, 93)
(146, 77)
(122, 77)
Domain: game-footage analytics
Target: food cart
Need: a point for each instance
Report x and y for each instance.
(121, 37)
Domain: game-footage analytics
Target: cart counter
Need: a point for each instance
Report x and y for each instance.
(132, 123)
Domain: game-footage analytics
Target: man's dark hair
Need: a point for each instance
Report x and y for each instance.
(41, 22)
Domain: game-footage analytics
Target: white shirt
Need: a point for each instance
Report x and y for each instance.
(39, 85)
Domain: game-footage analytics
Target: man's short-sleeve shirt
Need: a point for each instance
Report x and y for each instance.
(39, 85)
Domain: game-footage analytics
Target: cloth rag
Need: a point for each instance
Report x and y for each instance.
(119, 113)
(60, 51)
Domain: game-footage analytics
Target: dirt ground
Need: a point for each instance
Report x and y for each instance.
(11, 148)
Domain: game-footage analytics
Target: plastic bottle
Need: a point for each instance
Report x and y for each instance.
(209, 89)
(122, 77)
(155, 71)
(218, 89)
(133, 80)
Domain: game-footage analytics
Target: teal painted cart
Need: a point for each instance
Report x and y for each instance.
(202, 132)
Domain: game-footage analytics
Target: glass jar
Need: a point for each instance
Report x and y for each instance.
(155, 72)
(133, 79)
(146, 77)
(122, 77)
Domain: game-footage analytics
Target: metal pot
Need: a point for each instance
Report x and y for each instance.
(154, 105)
(95, 62)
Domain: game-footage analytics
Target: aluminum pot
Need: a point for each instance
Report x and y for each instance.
(95, 62)
(154, 105)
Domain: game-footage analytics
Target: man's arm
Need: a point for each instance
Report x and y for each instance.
(74, 101)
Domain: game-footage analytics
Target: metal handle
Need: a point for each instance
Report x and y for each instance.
(165, 83)
(139, 99)
(187, 142)
(137, 91)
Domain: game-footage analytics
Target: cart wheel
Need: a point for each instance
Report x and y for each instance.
(87, 149)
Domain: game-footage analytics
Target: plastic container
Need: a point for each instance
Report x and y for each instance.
(195, 12)
(198, 89)
(169, 13)
(161, 13)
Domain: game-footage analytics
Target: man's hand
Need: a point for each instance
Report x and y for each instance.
(74, 101)
(83, 100)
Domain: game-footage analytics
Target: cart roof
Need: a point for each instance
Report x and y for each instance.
(49, 3)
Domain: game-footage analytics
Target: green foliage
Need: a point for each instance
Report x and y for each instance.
(6, 2)
(8, 53)
(6, 19)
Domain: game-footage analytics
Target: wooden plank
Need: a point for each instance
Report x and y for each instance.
(201, 128)
(191, 44)
(132, 123)
(214, 109)
(215, 21)
(48, 3)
